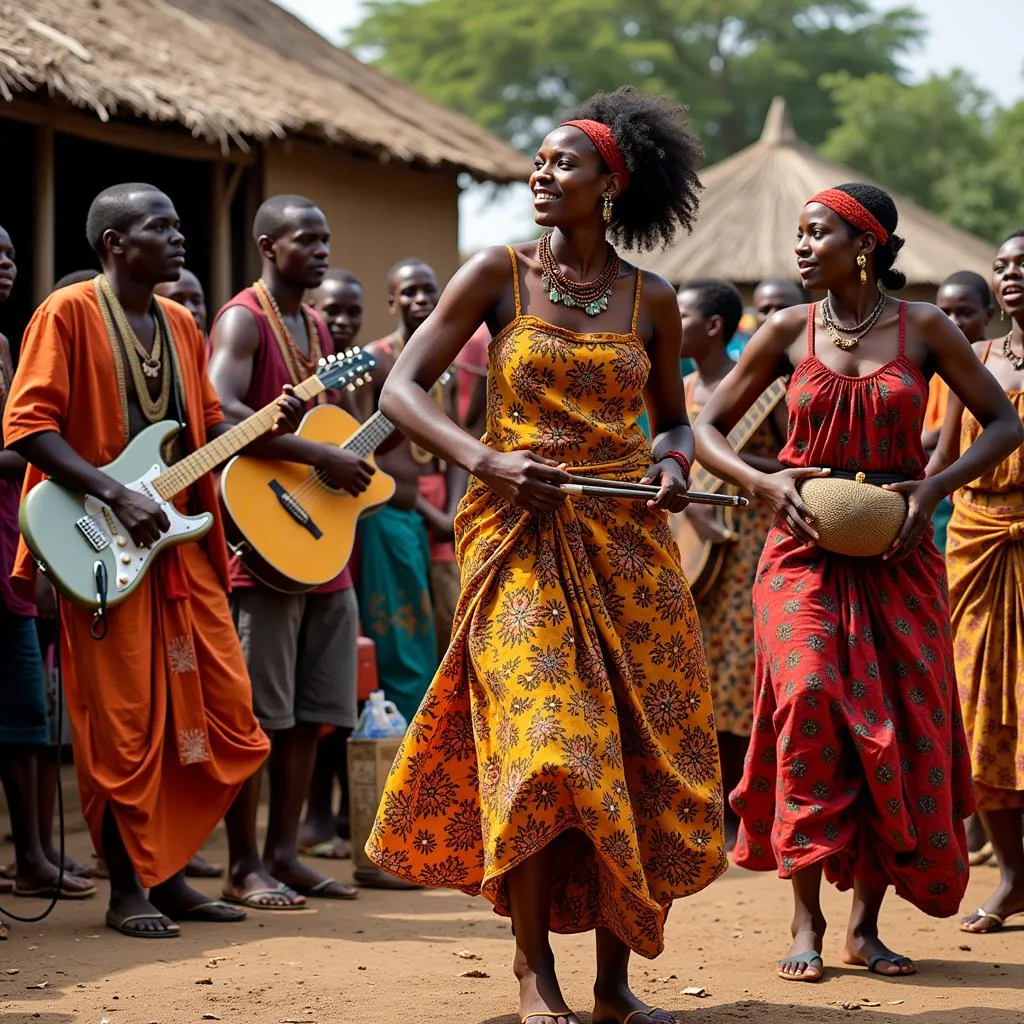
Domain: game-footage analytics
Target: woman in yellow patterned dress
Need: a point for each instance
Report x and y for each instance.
(564, 761)
(985, 566)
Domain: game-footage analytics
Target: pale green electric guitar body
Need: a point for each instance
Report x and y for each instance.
(72, 535)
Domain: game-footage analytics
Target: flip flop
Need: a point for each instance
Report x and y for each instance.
(553, 1014)
(320, 890)
(637, 1013)
(215, 912)
(981, 914)
(256, 900)
(895, 959)
(329, 849)
(48, 892)
(121, 924)
(807, 959)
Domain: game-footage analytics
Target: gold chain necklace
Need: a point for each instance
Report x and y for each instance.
(300, 366)
(836, 331)
(116, 323)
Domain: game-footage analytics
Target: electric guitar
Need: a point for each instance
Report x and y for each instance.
(702, 561)
(292, 529)
(88, 554)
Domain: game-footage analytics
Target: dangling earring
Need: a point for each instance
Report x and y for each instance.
(862, 262)
(1002, 312)
(606, 210)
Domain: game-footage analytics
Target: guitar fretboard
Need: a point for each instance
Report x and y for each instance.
(372, 433)
(740, 435)
(186, 472)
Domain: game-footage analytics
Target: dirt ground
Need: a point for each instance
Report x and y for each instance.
(394, 957)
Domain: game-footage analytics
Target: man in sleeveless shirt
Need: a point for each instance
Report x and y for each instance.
(408, 580)
(160, 708)
(300, 648)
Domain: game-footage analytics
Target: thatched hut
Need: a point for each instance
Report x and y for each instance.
(221, 103)
(751, 204)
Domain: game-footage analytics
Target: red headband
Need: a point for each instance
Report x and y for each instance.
(604, 142)
(850, 210)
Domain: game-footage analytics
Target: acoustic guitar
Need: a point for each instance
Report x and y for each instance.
(702, 561)
(85, 550)
(291, 528)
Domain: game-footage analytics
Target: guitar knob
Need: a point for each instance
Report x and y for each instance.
(122, 542)
(126, 559)
(122, 581)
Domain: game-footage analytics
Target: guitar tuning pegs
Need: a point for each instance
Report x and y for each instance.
(350, 387)
(332, 358)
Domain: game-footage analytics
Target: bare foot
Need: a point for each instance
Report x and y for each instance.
(803, 961)
(866, 949)
(540, 998)
(614, 1005)
(1005, 902)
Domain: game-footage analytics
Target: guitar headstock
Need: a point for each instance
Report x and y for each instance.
(348, 369)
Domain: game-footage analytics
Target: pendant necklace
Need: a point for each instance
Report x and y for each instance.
(590, 296)
(1017, 362)
(848, 338)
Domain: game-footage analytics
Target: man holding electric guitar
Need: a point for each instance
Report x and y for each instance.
(157, 692)
(300, 643)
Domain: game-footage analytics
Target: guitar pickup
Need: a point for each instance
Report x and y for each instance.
(295, 509)
(93, 533)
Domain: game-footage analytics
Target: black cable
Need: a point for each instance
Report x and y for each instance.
(60, 789)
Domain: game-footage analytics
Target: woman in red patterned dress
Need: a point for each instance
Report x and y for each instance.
(857, 766)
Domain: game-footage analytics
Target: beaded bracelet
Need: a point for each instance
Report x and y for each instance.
(680, 458)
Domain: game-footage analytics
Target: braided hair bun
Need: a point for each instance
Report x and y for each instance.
(879, 204)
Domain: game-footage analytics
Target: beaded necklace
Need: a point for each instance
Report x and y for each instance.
(836, 330)
(1016, 361)
(590, 296)
(300, 366)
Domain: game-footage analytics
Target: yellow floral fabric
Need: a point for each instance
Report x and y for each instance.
(985, 567)
(574, 698)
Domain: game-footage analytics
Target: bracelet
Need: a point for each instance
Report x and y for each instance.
(680, 458)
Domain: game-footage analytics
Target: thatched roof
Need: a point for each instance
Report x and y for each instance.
(232, 71)
(751, 204)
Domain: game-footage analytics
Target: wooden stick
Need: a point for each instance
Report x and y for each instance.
(613, 489)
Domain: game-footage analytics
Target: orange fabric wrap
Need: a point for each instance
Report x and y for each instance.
(161, 709)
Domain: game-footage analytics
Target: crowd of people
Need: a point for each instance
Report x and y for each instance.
(587, 741)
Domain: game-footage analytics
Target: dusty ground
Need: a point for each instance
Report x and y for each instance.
(391, 958)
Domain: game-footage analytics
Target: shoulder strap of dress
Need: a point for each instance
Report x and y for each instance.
(515, 279)
(903, 328)
(810, 329)
(635, 322)
(984, 355)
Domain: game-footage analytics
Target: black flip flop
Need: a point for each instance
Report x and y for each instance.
(122, 925)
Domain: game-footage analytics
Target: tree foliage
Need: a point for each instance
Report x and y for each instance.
(511, 65)
(943, 143)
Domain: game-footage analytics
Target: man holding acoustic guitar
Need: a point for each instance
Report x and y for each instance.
(299, 642)
(157, 692)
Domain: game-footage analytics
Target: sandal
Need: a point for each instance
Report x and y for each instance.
(329, 849)
(323, 890)
(640, 1013)
(121, 924)
(896, 960)
(981, 856)
(258, 899)
(214, 911)
(553, 1014)
(807, 959)
(981, 914)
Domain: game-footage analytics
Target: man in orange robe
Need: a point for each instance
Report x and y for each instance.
(160, 708)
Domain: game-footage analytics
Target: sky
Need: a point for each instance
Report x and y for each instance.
(984, 37)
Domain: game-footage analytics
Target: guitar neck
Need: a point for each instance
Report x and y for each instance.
(200, 462)
(740, 435)
(372, 433)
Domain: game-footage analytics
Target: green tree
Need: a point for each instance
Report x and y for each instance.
(943, 143)
(511, 65)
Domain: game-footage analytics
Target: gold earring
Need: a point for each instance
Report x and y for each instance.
(1002, 312)
(606, 210)
(862, 262)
